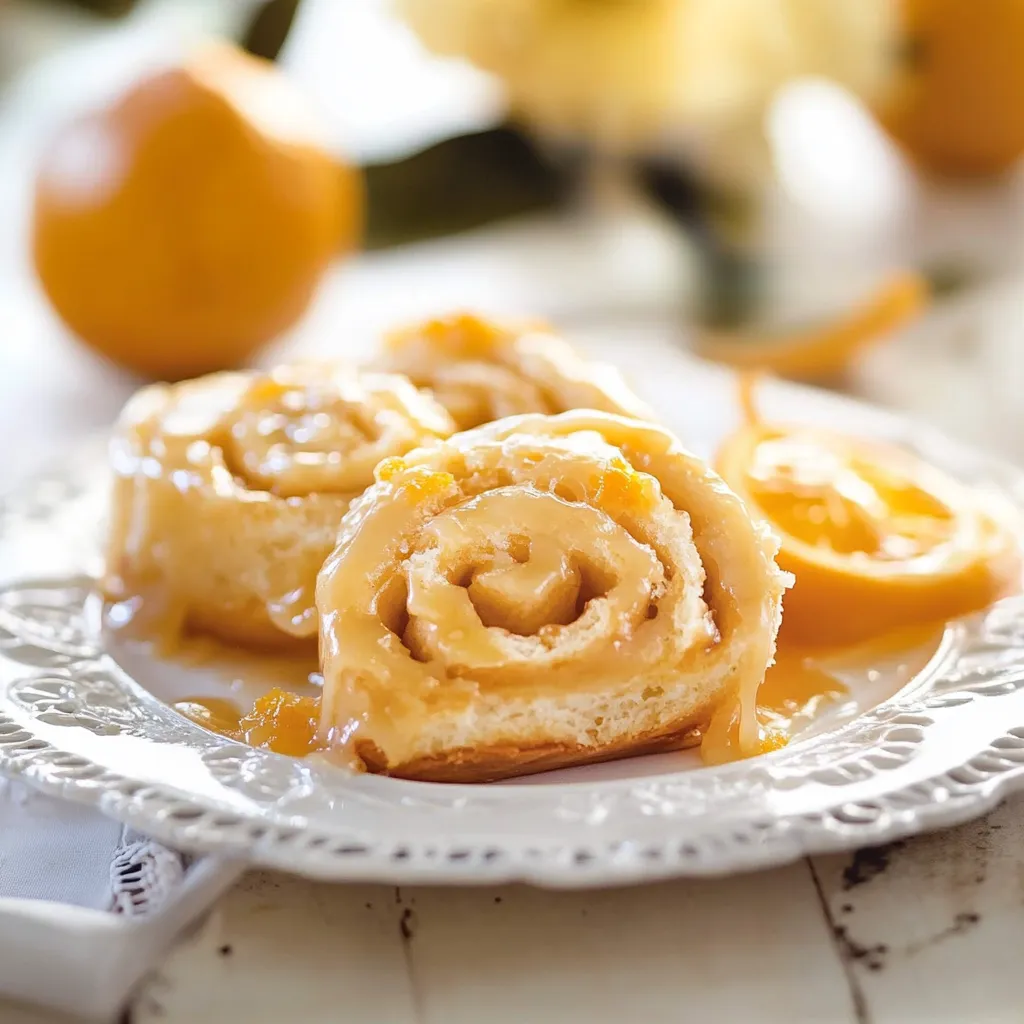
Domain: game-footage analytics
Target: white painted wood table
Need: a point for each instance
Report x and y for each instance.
(928, 930)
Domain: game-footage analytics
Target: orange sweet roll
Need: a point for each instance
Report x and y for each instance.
(541, 592)
(878, 539)
(481, 371)
(229, 490)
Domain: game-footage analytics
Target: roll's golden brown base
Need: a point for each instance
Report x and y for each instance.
(496, 763)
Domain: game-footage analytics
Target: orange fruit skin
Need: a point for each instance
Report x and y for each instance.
(957, 105)
(839, 602)
(828, 609)
(829, 349)
(175, 233)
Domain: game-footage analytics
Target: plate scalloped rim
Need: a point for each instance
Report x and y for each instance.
(944, 749)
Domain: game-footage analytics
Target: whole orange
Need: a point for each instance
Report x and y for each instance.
(188, 223)
(957, 105)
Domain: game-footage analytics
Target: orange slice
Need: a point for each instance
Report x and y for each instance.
(877, 539)
(825, 350)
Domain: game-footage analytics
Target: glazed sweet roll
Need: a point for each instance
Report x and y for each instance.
(540, 592)
(229, 490)
(481, 371)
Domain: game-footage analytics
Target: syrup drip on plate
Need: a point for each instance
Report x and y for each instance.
(803, 690)
(810, 688)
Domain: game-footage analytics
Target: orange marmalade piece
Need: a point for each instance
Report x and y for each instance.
(624, 487)
(420, 484)
(281, 721)
(389, 468)
(462, 334)
(284, 722)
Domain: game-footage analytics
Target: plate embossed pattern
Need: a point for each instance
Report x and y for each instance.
(73, 723)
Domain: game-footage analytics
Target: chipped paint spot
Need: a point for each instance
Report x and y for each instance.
(867, 863)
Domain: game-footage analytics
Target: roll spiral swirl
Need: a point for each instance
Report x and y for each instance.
(481, 371)
(229, 490)
(542, 591)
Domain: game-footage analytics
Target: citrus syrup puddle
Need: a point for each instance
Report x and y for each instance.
(268, 700)
(272, 700)
(808, 689)
(805, 691)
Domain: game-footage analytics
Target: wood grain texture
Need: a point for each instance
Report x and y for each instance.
(726, 950)
(709, 950)
(13, 1013)
(931, 929)
(281, 949)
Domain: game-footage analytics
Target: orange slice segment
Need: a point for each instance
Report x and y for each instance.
(877, 539)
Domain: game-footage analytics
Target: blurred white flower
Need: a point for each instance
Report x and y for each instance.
(689, 76)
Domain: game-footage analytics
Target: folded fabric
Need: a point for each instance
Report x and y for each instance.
(55, 851)
(87, 907)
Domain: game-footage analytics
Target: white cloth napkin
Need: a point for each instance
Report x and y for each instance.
(88, 907)
(55, 851)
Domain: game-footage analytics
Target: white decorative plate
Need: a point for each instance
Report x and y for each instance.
(77, 720)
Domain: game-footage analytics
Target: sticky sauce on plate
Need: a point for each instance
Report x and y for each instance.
(280, 720)
(805, 690)
(808, 689)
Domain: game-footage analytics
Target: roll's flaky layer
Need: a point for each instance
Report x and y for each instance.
(480, 371)
(229, 490)
(542, 591)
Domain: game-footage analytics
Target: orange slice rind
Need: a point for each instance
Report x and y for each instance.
(824, 350)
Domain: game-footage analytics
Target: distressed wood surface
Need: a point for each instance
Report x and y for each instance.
(727, 949)
(925, 930)
(931, 929)
(281, 949)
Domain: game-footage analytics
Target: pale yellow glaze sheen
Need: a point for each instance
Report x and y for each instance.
(229, 490)
(481, 371)
(536, 558)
